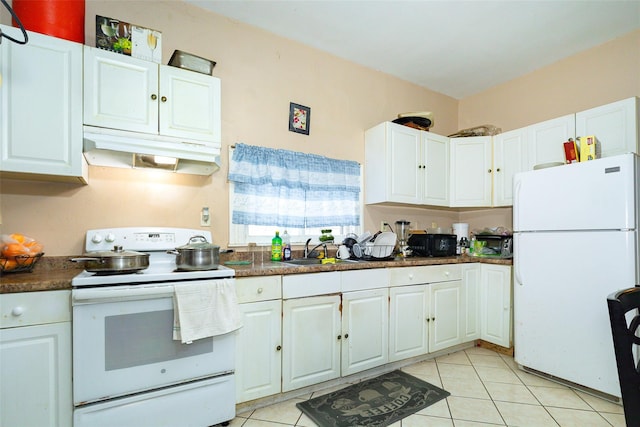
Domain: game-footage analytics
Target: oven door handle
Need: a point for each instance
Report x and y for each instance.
(121, 294)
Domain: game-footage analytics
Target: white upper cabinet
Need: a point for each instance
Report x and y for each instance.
(615, 126)
(120, 93)
(131, 94)
(435, 164)
(405, 165)
(392, 157)
(545, 140)
(471, 171)
(509, 158)
(41, 108)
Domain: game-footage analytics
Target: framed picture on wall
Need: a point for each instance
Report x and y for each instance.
(299, 118)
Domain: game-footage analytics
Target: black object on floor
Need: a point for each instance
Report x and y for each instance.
(625, 344)
(379, 402)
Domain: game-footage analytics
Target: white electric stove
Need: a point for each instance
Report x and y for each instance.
(127, 366)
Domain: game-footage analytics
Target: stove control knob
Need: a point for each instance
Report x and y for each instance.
(110, 237)
(97, 238)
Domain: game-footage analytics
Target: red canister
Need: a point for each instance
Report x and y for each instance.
(59, 18)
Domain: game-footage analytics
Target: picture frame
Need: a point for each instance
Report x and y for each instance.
(299, 118)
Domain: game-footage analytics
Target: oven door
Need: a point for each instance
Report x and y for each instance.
(123, 343)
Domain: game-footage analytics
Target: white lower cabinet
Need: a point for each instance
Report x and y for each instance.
(408, 321)
(365, 330)
(446, 315)
(495, 304)
(35, 359)
(259, 341)
(471, 302)
(426, 311)
(311, 340)
(333, 335)
(304, 329)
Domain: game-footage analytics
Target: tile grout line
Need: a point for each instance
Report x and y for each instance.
(592, 409)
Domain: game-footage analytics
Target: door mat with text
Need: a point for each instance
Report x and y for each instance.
(379, 401)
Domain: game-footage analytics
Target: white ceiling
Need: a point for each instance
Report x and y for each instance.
(454, 47)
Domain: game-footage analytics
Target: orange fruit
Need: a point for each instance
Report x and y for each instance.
(9, 264)
(18, 237)
(12, 250)
(34, 247)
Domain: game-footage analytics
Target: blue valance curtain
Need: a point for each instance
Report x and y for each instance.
(291, 189)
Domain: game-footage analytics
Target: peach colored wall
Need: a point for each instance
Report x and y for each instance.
(260, 73)
(606, 73)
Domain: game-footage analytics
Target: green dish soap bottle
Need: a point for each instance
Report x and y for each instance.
(276, 248)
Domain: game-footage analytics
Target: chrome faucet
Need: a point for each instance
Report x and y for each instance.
(308, 253)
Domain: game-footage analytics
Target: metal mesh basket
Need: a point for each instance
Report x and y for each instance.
(19, 263)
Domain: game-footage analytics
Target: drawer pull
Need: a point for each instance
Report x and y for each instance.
(260, 290)
(17, 311)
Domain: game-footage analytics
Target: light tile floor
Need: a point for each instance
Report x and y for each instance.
(487, 389)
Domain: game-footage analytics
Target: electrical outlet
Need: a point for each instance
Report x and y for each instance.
(205, 217)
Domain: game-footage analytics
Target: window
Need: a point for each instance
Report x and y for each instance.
(302, 193)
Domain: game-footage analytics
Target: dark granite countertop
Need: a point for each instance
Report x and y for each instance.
(55, 273)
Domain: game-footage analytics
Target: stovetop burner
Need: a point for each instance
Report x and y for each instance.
(114, 273)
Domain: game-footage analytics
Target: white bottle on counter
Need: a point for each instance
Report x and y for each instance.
(286, 246)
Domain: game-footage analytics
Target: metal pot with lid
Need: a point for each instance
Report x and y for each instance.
(114, 261)
(197, 254)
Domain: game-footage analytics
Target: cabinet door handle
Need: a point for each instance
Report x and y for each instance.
(278, 348)
(433, 319)
(17, 311)
(489, 171)
(498, 170)
(163, 99)
(339, 337)
(154, 96)
(346, 336)
(428, 320)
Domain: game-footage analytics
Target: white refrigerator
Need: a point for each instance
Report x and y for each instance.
(575, 242)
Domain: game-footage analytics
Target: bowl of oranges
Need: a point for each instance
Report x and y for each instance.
(18, 253)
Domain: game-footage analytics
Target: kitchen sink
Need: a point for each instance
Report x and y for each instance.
(316, 261)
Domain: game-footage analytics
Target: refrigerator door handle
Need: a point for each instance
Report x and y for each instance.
(516, 258)
(516, 272)
(517, 184)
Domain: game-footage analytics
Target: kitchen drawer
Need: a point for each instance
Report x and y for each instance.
(359, 280)
(34, 308)
(263, 288)
(306, 285)
(427, 274)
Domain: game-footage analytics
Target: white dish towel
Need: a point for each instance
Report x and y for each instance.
(202, 310)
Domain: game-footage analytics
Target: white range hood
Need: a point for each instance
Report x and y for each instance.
(122, 149)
